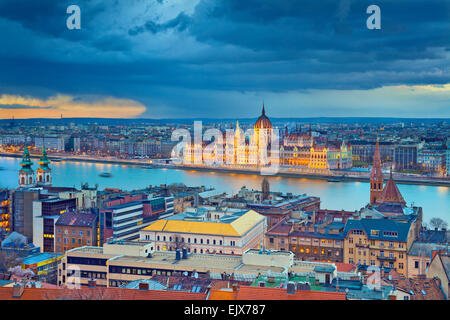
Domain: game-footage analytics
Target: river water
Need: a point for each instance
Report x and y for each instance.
(435, 201)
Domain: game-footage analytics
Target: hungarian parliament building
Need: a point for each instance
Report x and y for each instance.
(261, 148)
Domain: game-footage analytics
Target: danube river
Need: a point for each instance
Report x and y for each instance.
(435, 201)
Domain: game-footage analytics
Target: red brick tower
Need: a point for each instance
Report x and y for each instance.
(376, 176)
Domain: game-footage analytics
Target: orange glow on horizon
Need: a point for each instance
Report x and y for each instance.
(68, 106)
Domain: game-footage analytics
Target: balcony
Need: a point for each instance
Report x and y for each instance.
(361, 245)
(385, 258)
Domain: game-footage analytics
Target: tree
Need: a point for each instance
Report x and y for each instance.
(179, 243)
(8, 260)
(438, 223)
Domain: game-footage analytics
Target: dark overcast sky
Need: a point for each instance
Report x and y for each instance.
(213, 58)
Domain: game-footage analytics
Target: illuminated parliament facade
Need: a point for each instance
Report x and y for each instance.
(262, 147)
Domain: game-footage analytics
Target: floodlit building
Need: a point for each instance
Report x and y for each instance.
(208, 230)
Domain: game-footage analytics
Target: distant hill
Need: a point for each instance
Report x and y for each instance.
(114, 121)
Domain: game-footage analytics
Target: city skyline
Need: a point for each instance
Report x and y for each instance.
(188, 59)
(224, 150)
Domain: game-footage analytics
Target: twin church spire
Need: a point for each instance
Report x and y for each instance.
(27, 176)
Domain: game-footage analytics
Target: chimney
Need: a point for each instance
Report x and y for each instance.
(392, 297)
(290, 288)
(143, 286)
(18, 291)
(92, 283)
(235, 287)
(177, 254)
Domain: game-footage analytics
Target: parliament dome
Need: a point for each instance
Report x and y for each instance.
(263, 122)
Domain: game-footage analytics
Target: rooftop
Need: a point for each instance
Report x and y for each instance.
(99, 293)
(235, 224)
(265, 293)
(77, 219)
(425, 249)
(198, 262)
(420, 289)
(383, 226)
(41, 257)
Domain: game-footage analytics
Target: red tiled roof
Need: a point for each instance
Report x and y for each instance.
(344, 267)
(265, 293)
(221, 295)
(99, 293)
(280, 229)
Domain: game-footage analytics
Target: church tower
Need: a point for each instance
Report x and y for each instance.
(376, 176)
(44, 173)
(26, 174)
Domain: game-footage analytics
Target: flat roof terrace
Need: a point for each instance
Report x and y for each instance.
(269, 252)
(194, 261)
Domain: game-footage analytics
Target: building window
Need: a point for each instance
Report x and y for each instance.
(271, 240)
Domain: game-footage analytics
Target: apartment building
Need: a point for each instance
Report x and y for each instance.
(45, 214)
(121, 262)
(419, 257)
(379, 242)
(76, 229)
(208, 230)
(440, 268)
